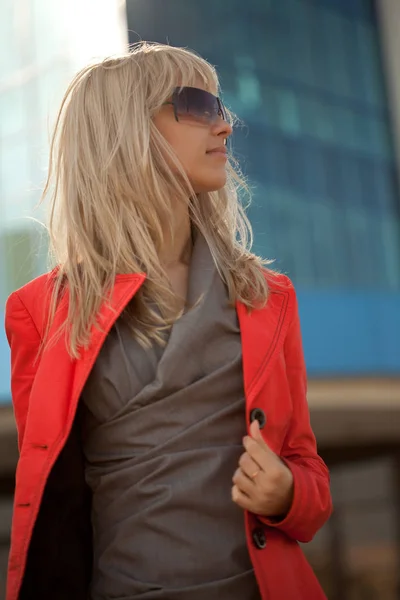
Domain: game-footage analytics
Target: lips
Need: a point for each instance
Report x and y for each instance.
(218, 150)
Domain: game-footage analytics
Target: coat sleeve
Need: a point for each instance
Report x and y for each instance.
(24, 340)
(312, 503)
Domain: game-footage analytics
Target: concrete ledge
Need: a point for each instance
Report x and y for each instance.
(366, 392)
(351, 412)
(336, 428)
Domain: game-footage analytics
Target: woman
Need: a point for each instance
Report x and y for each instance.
(158, 377)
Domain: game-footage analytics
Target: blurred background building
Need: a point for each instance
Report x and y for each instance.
(317, 86)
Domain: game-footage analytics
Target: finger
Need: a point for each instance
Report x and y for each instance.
(255, 433)
(244, 483)
(248, 465)
(241, 499)
(262, 456)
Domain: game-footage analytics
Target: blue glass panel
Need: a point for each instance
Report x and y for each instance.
(306, 77)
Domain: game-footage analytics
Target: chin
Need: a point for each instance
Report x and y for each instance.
(211, 185)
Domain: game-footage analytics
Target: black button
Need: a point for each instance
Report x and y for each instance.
(259, 539)
(257, 414)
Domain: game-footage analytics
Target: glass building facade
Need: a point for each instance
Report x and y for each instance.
(42, 44)
(306, 79)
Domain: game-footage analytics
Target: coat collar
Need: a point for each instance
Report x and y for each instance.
(63, 377)
(262, 331)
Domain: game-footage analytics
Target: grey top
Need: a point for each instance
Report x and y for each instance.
(162, 437)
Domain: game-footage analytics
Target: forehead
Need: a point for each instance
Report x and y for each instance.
(199, 85)
(201, 80)
(192, 72)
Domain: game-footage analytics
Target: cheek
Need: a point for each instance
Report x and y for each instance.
(188, 153)
(205, 173)
(186, 145)
(174, 134)
(190, 149)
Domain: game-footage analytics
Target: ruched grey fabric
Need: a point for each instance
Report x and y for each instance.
(162, 431)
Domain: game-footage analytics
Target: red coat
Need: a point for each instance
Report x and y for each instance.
(46, 391)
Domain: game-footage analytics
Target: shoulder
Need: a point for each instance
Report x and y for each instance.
(31, 300)
(281, 295)
(278, 282)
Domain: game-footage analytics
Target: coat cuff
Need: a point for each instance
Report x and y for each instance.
(299, 523)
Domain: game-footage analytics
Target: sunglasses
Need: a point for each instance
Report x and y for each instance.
(197, 104)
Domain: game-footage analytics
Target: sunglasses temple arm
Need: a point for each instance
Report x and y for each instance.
(175, 112)
(222, 109)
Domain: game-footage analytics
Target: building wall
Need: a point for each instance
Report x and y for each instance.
(317, 143)
(388, 14)
(42, 44)
(306, 77)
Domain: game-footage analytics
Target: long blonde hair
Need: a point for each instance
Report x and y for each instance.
(111, 179)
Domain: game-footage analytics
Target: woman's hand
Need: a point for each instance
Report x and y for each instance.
(263, 484)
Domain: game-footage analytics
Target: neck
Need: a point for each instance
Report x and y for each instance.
(178, 247)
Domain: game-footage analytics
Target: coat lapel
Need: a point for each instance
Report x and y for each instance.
(125, 288)
(60, 379)
(263, 332)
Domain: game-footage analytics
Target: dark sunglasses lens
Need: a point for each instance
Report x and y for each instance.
(198, 104)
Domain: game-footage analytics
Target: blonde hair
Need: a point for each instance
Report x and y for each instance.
(111, 179)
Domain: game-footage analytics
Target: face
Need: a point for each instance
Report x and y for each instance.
(198, 144)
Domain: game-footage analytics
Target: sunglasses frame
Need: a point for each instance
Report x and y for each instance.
(221, 108)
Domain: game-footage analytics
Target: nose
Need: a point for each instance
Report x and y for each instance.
(222, 128)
